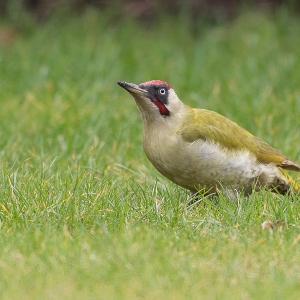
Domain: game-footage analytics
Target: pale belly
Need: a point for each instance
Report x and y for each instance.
(202, 165)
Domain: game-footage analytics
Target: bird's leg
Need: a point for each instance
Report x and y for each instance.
(231, 193)
(197, 196)
(193, 198)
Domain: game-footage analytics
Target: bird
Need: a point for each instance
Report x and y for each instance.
(201, 150)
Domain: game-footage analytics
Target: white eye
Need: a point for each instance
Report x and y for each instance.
(162, 91)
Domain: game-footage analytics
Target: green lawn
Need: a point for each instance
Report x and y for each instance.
(84, 215)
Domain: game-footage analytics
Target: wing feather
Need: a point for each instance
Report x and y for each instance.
(210, 126)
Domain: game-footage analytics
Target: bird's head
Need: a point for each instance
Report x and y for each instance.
(156, 99)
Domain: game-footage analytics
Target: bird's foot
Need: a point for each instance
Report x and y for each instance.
(197, 197)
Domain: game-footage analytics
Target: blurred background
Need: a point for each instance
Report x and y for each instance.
(210, 10)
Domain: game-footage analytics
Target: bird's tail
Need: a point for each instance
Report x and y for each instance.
(292, 183)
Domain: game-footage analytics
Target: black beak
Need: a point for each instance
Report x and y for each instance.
(133, 88)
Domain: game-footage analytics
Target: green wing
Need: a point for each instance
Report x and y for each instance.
(210, 126)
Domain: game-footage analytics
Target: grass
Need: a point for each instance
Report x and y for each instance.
(83, 214)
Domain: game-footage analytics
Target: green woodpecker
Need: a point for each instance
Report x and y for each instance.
(199, 149)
